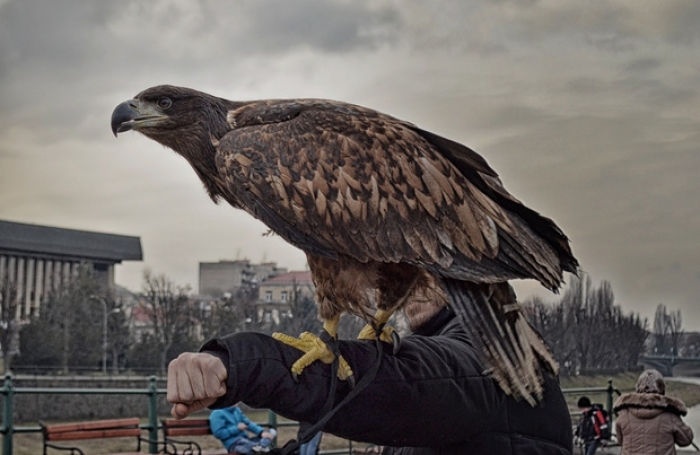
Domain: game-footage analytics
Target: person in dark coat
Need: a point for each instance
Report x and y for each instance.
(586, 430)
(432, 397)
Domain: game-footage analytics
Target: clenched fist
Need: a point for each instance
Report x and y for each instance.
(195, 381)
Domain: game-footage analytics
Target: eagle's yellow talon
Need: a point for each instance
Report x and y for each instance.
(289, 340)
(344, 370)
(368, 333)
(388, 334)
(314, 349)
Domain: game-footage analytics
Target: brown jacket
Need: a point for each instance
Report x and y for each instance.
(650, 424)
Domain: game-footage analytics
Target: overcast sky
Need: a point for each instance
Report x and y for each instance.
(589, 111)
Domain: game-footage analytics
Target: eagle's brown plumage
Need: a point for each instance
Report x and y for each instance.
(385, 211)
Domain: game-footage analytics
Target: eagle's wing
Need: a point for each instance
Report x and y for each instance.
(468, 163)
(337, 179)
(340, 180)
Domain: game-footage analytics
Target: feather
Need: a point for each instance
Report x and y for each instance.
(320, 203)
(411, 177)
(433, 188)
(279, 188)
(471, 227)
(373, 200)
(353, 205)
(399, 206)
(495, 212)
(411, 203)
(344, 178)
(427, 203)
(438, 178)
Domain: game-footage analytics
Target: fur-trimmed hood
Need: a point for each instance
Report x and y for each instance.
(649, 405)
(651, 423)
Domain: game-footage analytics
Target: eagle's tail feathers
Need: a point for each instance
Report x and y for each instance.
(515, 353)
(502, 357)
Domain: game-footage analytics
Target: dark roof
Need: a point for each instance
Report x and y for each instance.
(30, 239)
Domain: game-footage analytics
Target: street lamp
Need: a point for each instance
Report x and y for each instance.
(104, 329)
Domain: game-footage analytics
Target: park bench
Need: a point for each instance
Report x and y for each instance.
(96, 429)
(174, 430)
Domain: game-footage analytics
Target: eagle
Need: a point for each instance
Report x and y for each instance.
(390, 216)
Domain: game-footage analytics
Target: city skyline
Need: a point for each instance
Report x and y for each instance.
(588, 111)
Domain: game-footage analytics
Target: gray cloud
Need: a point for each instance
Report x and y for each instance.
(642, 65)
(327, 26)
(587, 110)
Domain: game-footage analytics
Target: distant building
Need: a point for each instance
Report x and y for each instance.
(39, 259)
(219, 278)
(276, 294)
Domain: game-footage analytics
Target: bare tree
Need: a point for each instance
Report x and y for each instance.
(675, 329)
(668, 330)
(117, 333)
(170, 312)
(303, 315)
(72, 313)
(690, 345)
(8, 320)
(67, 332)
(225, 315)
(550, 321)
(661, 327)
(586, 331)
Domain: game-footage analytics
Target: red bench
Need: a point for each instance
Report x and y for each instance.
(96, 429)
(173, 430)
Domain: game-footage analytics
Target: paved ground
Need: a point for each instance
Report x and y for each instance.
(615, 450)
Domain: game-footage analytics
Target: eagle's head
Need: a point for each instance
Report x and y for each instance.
(180, 118)
(185, 120)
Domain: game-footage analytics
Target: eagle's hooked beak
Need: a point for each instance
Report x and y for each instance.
(133, 115)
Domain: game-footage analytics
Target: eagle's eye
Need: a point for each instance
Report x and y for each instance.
(165, 102)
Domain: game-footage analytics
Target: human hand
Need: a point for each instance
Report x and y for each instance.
(195, 381)
(242, 426)
(267, 434)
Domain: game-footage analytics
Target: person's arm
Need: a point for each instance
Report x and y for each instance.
(434, 387)
(252, 426)
(595, 421)
(219, 426)
(618, 430)
(682, 433)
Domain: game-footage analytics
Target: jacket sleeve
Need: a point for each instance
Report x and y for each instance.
(595, 422)
(219, 426)
(432, 389)
(618, 430)
(682, 433)
(252, 426)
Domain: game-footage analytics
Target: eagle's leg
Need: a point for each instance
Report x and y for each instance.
(315, 348)
(387, 334)
(396, 284)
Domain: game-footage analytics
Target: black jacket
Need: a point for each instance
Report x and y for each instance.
(430, 398)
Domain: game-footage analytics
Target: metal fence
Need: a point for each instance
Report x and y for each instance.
(8, 391)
